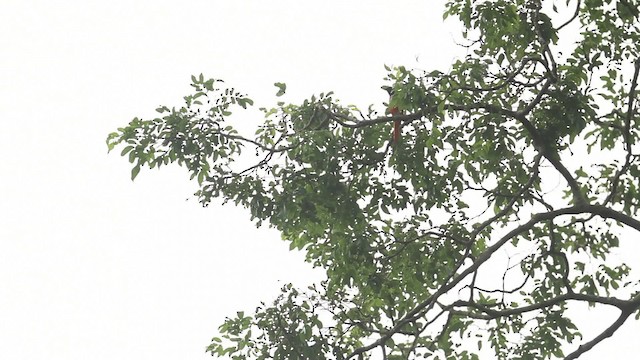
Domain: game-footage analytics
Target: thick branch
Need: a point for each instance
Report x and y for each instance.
(623, 305)
(350, 122)
(576, 191)
(608, 332)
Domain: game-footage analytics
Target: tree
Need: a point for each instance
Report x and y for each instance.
(521, 161)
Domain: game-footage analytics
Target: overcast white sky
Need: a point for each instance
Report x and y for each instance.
(94, 266)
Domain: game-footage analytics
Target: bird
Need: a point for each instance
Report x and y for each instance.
(393, 110)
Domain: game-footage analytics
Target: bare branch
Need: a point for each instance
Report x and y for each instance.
(608, 332)
(575, 15)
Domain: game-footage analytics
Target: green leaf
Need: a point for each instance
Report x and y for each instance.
(135, 171)
(282, 88)
(126, 150)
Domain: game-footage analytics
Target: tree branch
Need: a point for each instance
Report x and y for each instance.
(608, 332)
(575, 15)
(623, 305)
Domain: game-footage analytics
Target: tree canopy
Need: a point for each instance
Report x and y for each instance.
(515, 174)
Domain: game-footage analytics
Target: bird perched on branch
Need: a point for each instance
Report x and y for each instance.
(393, 110)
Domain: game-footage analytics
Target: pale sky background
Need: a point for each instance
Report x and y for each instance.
(94, 266)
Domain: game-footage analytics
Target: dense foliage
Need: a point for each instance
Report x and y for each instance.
(515, 174)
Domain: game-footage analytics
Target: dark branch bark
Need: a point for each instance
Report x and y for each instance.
(623, 305)
(608, 332)
(575, 15)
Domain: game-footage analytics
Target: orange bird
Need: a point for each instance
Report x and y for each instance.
(393, 111)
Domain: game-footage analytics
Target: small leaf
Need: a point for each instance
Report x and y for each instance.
(126, 150)
(110, 143)
(244, 102)
(135, 171)
(282, 88)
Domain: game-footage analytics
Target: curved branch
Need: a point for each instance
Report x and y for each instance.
(527, 109)
(352, 123)
(491, 314)
(608, 332)
(575, 15)
(576, 191)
